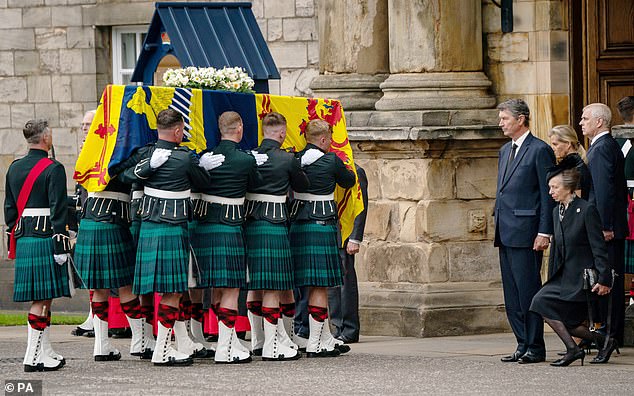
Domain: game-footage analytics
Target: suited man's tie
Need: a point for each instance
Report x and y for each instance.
(511, 158)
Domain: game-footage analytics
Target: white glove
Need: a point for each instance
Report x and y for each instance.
(210, 161)
(60, 258)
(159, 157)
(310, 156)
(259, 158)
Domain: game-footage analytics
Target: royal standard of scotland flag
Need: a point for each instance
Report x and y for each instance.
(126, 120)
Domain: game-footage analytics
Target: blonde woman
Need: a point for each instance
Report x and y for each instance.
(564, 141)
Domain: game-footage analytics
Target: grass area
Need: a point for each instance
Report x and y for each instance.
(15, 318)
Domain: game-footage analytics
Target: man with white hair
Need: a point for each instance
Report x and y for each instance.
(606, 164)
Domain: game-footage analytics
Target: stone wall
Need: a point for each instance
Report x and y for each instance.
(532, 61)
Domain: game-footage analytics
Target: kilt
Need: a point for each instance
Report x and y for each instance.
(162, 258)
(220, 253)
(549, 305)
(315, 254)
(135, 228)
(104, 255)
(269, 260)
(629, 257)
(37, 275)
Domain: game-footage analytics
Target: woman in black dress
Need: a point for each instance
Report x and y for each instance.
(577, 243)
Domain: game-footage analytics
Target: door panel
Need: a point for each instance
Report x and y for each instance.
(609, 52)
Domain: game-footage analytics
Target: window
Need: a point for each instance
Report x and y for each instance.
(126, 47)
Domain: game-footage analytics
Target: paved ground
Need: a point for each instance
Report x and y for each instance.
(376, 365)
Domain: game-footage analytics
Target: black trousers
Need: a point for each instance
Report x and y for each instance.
(343, 301)
(616, 257)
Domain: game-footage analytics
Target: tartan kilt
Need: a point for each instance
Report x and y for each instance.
(104, 255)
(315, 254)
(37, 275)
(162, 258)
(220, 253)
(629, 257)
(135, 228)
(269, 260)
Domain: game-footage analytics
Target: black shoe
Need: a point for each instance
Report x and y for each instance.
(323, 353)
(211, 338)
(108, 358)
(342, 348)
(570, 357)
(514, 357)
(78, 331)
(604, 354)
(347, 340)
(257, 352)
(122, 333)
(530, 357)
(176, 362)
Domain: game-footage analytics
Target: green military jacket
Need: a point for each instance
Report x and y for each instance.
(49, 191)
(281, 171)
(324, 175)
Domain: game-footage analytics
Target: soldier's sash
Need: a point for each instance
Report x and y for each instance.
(23, 197)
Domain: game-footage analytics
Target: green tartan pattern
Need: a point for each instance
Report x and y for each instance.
(104, 255)
(315, 254)
(629, 257)
(37, 275)
(162, 258)
(220, 253)
(269, 260)
(135, 228)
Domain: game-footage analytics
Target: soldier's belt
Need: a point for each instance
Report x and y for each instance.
(630, 183)
(156, 193)
(35, 212)
(138, 194)
(110, 195)
(222, 200)
(314, 197)
(266, 198)
(195, 196)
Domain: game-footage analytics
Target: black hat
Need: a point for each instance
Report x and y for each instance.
(568, 162)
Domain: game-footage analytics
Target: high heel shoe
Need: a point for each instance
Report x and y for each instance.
(604, 354)
(570, 357)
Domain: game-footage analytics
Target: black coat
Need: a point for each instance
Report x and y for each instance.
(607, 167)
(577, 244)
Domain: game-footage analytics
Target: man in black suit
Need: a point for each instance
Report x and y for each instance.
(343, 300)
(606, 164)
(523, 225)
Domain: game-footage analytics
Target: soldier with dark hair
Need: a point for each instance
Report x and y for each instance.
(162, 257)
(36, 216)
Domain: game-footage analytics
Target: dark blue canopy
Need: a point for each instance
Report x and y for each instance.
(207, 35)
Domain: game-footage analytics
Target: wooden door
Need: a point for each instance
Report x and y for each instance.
(609, 44)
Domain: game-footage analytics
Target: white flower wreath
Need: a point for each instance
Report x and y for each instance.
(234, 79)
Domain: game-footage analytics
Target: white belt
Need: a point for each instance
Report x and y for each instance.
(156, 193)
(630, 183)
(222, 200)
(110, 195)
(194, 196)
(266, 198)
(314, 197)
(137, 194)
(34, 212)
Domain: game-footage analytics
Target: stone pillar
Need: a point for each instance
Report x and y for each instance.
(435, 53)
(353, 51)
